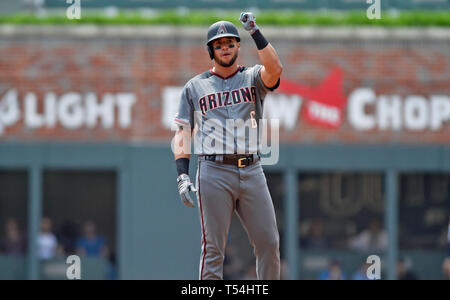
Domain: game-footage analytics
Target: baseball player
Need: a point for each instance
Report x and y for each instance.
(229, 175)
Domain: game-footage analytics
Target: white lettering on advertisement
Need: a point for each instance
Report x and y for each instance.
(392, 112)
(71, 110)
(365, 110)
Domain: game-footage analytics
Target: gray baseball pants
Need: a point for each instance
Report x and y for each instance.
(224, 189)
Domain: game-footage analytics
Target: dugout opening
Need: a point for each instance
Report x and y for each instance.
(80, 206)
(13, 223)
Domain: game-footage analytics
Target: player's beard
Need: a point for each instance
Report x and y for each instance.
(229, 64)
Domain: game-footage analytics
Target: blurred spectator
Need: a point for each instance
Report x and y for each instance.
(91, 244)
(46, 240)
(404, 271)
(446, 268)
(333, 272)
(315, 238)
(361, 273)
(14, 242)
(233, 265)
(67, 237)
(112, 271)
(372, 239)
(446, 263)
(448, 239)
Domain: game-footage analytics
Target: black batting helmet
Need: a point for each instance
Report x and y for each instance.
(218, 30)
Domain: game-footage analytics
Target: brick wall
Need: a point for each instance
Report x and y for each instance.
(50, 63)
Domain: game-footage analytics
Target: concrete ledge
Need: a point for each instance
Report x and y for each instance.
(199, 32)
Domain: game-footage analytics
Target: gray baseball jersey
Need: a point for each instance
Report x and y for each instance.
(225, 112)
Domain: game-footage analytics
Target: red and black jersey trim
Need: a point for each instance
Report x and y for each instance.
(239, 69)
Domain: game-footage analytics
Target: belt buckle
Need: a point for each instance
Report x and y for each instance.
(240, 160)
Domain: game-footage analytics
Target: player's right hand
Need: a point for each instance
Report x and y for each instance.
(185, 187)
(248, 22)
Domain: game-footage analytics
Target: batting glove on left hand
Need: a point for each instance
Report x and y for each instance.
(185, 186)
(248, 21)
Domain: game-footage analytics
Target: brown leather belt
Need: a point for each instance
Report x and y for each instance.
(239, 160)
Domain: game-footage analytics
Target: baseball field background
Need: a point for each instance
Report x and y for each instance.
(86, 166)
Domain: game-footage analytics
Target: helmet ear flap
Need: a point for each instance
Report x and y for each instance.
(210, 51)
